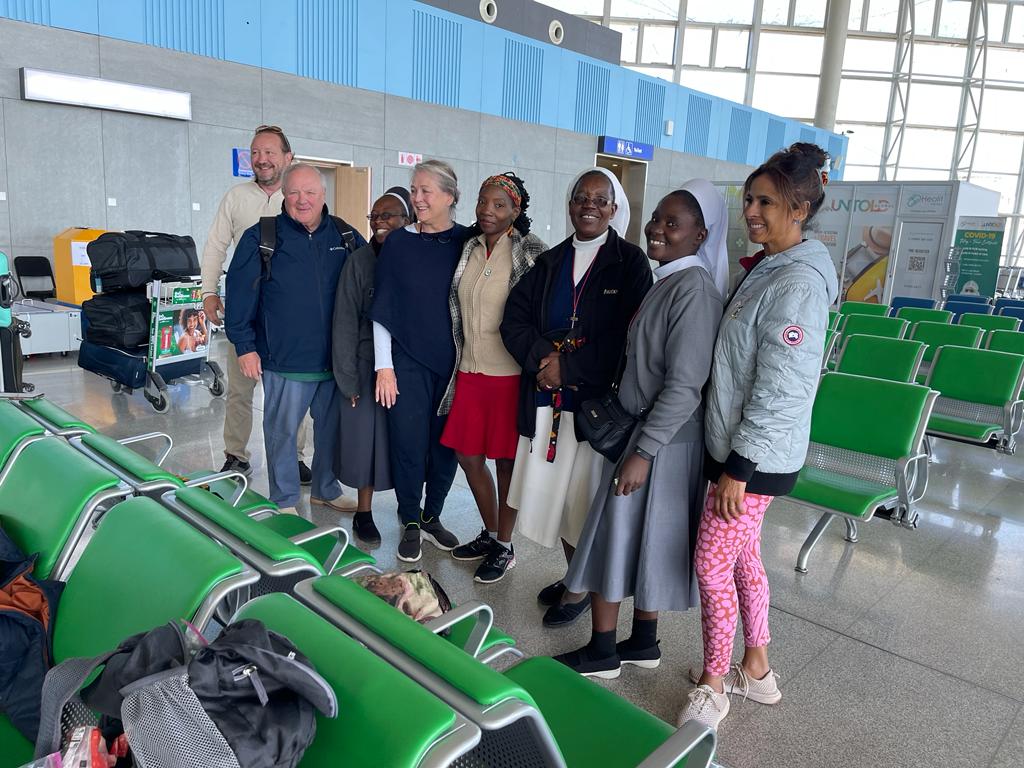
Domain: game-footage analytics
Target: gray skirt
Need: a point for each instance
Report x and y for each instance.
(641, 545)
(363, 458)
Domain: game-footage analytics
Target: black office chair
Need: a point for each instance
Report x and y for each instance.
(39, 272)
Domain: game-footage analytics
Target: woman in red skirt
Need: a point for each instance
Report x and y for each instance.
(482, 397)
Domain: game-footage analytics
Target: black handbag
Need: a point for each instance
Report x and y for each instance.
(604, 423)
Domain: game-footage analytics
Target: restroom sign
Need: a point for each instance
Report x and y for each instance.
(409, 158)
(634, 150)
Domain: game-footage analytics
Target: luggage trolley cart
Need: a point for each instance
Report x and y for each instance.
(179, 342)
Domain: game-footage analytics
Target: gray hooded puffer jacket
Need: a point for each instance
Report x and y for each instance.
(766, 367)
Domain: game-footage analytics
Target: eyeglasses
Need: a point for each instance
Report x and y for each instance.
(599, 202)
(385, 217)
(269, 128)
(429, 237)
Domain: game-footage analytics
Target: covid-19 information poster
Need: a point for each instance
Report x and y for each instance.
(979, 242)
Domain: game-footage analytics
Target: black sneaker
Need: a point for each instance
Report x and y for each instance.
(581, 661)
(645, 658)
(565, 614)
(495, 565)
(477, 549)
(409, 550)
(551, 594)
(438, 535)
(305, 474)
(365, 529)
(235, 464)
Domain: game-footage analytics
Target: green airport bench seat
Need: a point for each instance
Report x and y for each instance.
(369, 692)
(831, 337)
(990, 322)
(875, 325)
(979, 397)
(53, 417)
(915, 315)
(249, 503)
(109, 594)
(866, 453)
(123, 460)
(863, 308)
(17, 429)
(937, 335)
(881, 358)
(51, 518)
(1005, 341)
(833, 319)
(352, 558)
(532, 713)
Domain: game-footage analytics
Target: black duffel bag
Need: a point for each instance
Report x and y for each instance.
(117, 319)
(127, 260)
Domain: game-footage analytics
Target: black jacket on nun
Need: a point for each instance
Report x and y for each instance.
(620, 277)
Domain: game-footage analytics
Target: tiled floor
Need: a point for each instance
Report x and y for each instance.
(903, 650)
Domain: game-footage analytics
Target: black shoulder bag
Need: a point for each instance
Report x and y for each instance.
(604, 423)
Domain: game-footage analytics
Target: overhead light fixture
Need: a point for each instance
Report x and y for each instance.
(61, 88)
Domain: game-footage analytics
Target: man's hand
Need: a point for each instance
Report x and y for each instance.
(214, 308)
(729, 498)
(632, 475)
(250, 364)
(550, 375)
(387, 387)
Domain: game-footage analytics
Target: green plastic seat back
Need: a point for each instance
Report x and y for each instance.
(38, 510)
(937, 335)
(874, 325)
(478, 681)
(977, 375)
(921, 315)
(53, 414)
(320, 548)
(829, 335)
(833, 319)
(15, 426)
(592, 725)
(250, 501)
(261, 538)
(130, 461)
(143, 567)
(371, 693)
(863, 308)
(1006, 341)
(880, 358)
(990, 322)
(866, 415)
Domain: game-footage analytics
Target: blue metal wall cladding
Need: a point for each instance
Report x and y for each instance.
(592, 85)
(436, 58)
(523, 81)
(34, 11)
(739, 136)
(191, 26)
(406, 48)
(650, 112)
(327, 43)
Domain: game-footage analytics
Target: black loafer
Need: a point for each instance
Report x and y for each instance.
(566, 613)
(551, 594)
(581, 661)
(365, 529)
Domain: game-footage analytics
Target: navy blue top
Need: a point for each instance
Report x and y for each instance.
(411, 285)
(559, 320)
(288, 318)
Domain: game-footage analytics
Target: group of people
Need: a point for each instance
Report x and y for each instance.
(437, 346)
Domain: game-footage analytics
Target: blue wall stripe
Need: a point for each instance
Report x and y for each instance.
(775, 138)
(650, 112)
(739, 136)
(808, 134)
(523, 81)
(326, 39)
(592, 83)
(437, 59)
(190, 26)
(698, 125)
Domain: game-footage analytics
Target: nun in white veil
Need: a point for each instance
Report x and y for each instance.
(641, 529)
(565, 324)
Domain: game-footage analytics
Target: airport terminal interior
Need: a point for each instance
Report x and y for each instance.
(895, 636)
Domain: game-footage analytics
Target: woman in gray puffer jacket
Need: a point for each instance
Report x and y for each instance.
(758, 416)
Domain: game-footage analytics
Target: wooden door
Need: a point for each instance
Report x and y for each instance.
(352, 197)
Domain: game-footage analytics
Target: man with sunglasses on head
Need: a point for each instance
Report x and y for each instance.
(242, 206)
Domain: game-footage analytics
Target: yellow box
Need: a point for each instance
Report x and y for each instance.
(71, 264)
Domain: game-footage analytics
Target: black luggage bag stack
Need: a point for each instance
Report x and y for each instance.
(115, 322)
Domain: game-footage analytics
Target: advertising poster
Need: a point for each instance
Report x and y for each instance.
(918, 256)
(979, 240)
(180, 330)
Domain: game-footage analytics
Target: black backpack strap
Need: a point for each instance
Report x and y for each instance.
(268, 242)
(347, 232)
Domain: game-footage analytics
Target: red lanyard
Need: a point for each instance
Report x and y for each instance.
(577, 295)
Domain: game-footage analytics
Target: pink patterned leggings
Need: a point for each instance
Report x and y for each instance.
(730, 576)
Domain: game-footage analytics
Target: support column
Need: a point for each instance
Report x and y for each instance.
(832, 63)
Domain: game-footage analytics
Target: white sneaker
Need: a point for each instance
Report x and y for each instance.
(339, 504)
(706, 706)
(737, 681)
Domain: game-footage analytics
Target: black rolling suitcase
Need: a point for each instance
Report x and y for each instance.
(124, 261)
(11, 358)
(125, 367)
(117, 319)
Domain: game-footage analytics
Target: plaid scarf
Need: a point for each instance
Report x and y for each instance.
(565, 345)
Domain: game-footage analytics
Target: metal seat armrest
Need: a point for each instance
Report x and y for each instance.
(340, 545)
(247, 577)
(692, 740)
(495, 653)
(484, 622)
(243, 483)
(21, 396)
(152, 436)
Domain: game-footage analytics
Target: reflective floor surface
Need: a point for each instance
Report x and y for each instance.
(903, 650)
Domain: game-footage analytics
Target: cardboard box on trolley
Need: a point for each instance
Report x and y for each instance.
(71, 264)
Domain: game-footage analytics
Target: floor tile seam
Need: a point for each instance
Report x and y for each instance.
(1006, 735)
